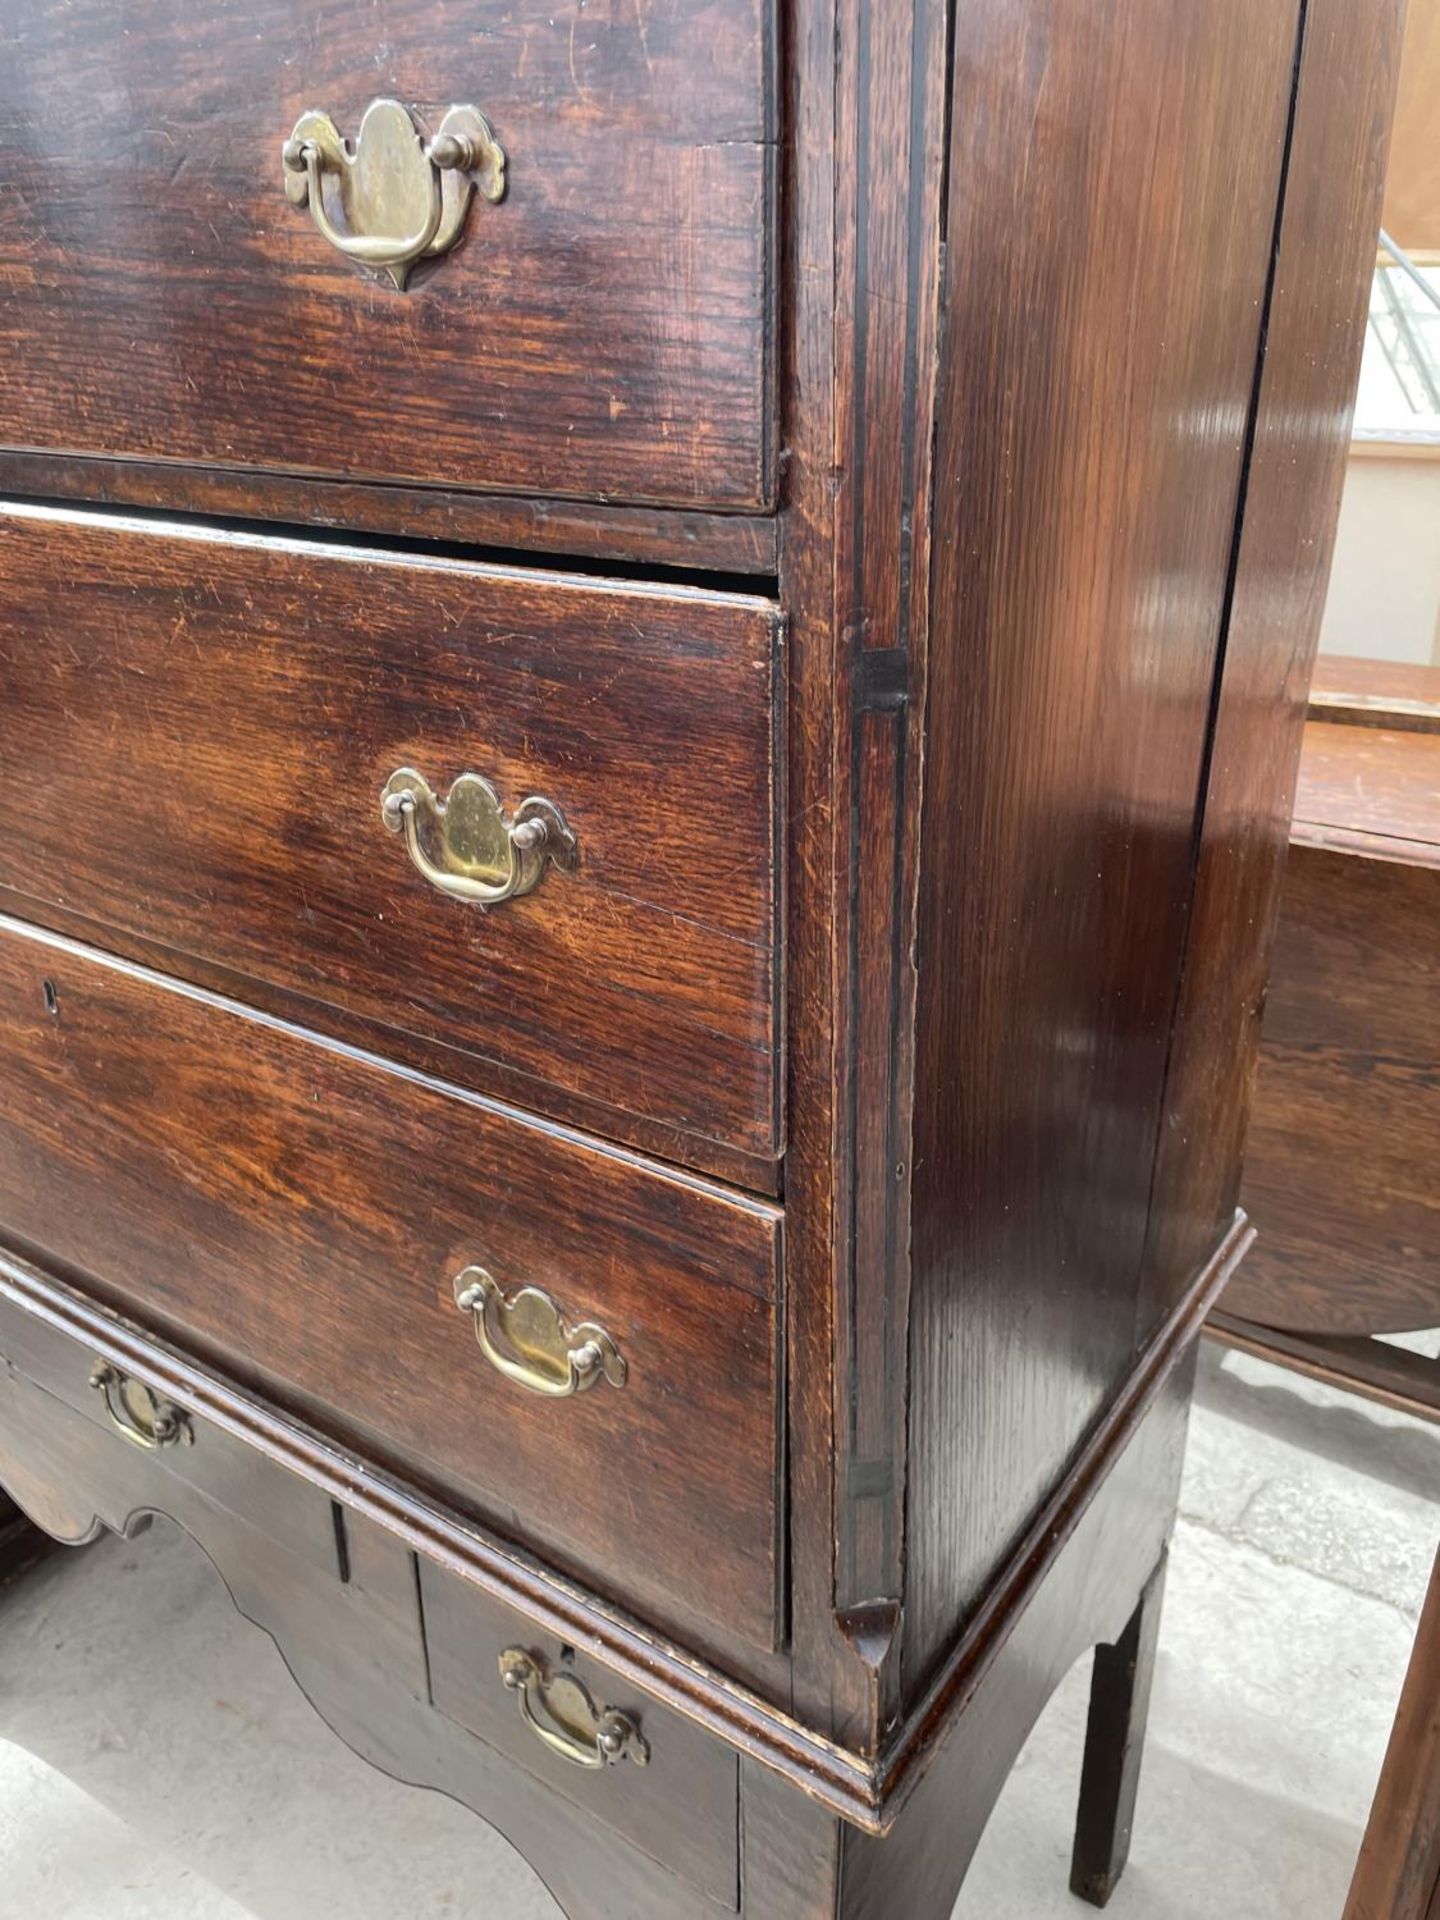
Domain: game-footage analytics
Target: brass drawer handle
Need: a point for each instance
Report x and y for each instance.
(402, 197)
(466, 846)
(137, 1413)
(523, 1336)
(561, 1713)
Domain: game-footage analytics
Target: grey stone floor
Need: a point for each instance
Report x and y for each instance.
(156, 1764)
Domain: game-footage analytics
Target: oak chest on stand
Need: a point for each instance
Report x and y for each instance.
(651, 658)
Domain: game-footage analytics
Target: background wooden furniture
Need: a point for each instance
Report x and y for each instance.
(1340, 1173)
(1398, 1875)
(939, 415)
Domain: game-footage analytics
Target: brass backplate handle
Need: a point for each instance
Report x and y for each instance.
(138, 1413)
(560, 1712)
(399, 198)
(466, 846)
(524, 1336)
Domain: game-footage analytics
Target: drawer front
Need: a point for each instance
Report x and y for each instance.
(298, 1214)
(666, 1786)
(599, 331)
(80, 1440)
(207, 724)
(672, 1791)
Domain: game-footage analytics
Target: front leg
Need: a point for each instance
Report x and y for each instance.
(1114, 1747)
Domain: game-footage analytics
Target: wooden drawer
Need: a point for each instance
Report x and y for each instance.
(61, 1454)
(297, 1214)
(299, 1567)
(206, 723)
(600, 331)
(672, 1790)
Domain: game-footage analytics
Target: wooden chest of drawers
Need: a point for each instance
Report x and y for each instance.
(650, 660)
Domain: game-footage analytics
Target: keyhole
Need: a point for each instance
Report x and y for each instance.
(52, 999)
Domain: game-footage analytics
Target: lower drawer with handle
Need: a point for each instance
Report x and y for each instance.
(638, 1767)
(85, 1442)
(579, 1346)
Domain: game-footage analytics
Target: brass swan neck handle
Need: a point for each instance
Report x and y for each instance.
(372, 250)
(139, 1414)
(525, 1338)
(466, 846)
(560, 1712)
(402, 198)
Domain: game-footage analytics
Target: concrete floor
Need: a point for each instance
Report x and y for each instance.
(157, 1764)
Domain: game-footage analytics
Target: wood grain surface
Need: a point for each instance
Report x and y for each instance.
(1340, 1167)
(1304, 404)
(1374, 789)
(296, 1213)
(652, 537)
(1352, 683)
(1107, 1559)
(207, 722)
(1115, 170)
(603, 331)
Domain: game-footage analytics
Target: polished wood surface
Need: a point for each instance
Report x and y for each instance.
(1032, 332)
(1096, 381)
(1304, 404)
(148, 1140)
(53, 1333)
(603, 331)
(1398, 1874)
(1111, 1550)
(219, 715)
(866, 130)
